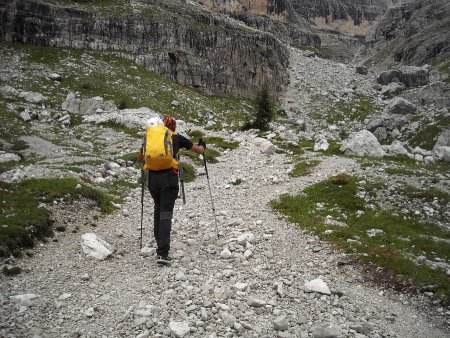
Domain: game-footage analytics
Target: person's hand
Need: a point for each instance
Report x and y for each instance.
(202, 143)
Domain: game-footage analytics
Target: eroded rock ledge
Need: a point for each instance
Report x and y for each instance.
(188, 45)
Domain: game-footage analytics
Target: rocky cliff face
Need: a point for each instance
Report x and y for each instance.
(183, 43)
(345, 16)
(412, 33)
(353, 17)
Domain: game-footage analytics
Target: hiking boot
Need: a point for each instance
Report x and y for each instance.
(163, 260)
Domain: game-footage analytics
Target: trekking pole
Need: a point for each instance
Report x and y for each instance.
(180, 175)
(210, 194)
(142, 200)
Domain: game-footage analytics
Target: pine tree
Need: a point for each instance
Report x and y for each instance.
(264, 109)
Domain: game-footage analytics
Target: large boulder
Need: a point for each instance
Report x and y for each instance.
(138, 118)
(73, 104)
(362, 70)
(389, 76)
(399, 105)
(363, 143)
(443, 139)
(442, 146)
(8, 92)
(8, 157)
(443, 153)
(265, 146)
(409, 75)
(32, 97)
(414, 76)
(396, 148)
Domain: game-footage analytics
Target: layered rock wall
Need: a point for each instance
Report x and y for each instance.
(413, 33)
(193, 48)
(353, 17)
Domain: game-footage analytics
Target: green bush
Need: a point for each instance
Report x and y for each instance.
(15, 270)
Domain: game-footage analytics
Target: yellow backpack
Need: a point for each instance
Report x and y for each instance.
(158, 149)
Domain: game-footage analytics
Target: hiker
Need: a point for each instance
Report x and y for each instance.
(163, 186)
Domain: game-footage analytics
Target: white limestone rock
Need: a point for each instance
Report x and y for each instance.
(265, 146)
(8, 157)
(25, 116)
(95, 247)
(179, 329)
(321, 144)
(55, 77)
(317, 285)
(32, 97)
(396, 148)
(241, 287)
(443, 153)
(26, 299)
(363, 143)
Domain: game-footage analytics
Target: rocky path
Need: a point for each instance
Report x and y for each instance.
(248, 283)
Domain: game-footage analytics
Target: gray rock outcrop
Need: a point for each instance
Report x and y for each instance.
(181, 42)
(408, 75)
(407, 33)
(95, 247)
(363, 143)
(75, 105)
(399, 105)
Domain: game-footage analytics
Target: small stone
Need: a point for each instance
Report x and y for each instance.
(226, 253)
(240, 287)
(64, 296)
(325, 332)
(179, 329)
(89, 312)
(280, 323)
(256, 302)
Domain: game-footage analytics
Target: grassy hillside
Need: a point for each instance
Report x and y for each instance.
(113, 78)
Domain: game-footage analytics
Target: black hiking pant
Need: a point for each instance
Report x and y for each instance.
(163, 186)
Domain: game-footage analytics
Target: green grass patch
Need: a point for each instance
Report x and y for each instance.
(426, 195)
(298, 149)
(337, 197)
(304, 168)
(11, 129)
(342, 111)
(333, 149)
(403, 165)
(430, 130)
(23, 220)
(195, 134)
(221, 143)
(118, 187)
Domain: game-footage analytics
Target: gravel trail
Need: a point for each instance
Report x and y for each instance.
(128, 295)
(249, 282)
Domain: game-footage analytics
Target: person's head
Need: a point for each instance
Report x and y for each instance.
(170, 123)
